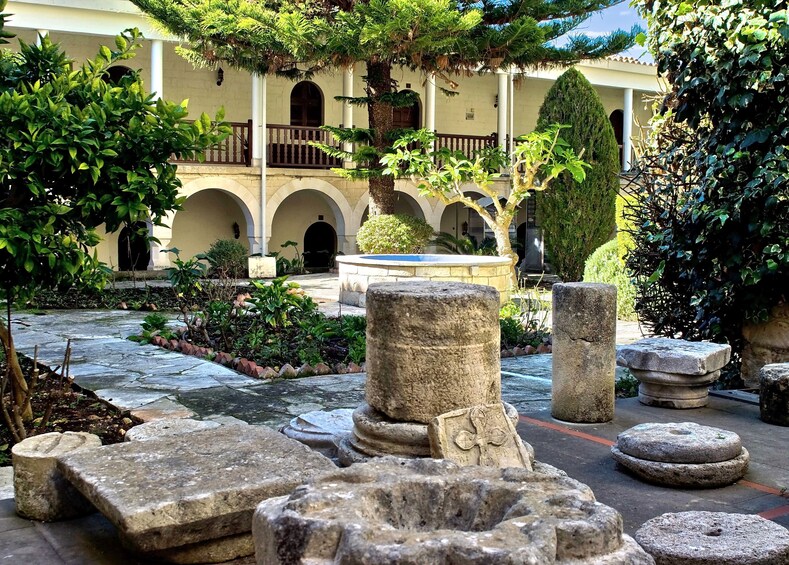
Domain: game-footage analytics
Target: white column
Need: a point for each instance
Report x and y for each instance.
(261, 154)
(627, 130)
(503, 107)
(430, 105)
(347, 108)
(257, 133)
(511, 111)
(157, 68)
(41, 33)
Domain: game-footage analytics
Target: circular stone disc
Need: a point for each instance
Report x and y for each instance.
(683, 442)
(714, 538)
(685, 475)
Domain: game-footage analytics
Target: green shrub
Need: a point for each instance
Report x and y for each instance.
(394, 233)
(228, 258)
(604, 266)
(578, 217)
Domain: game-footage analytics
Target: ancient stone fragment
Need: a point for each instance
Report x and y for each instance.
(774, 394)
(173, 495)
(321, 430)
(429, 511)
(714, 538)
(584, 358)
(40, 490)
(481, 435)
(168, 427)
(431, 348)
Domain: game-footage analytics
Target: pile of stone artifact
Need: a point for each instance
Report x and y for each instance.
(682, 454)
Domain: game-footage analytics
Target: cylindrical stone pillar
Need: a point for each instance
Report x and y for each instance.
(774, 394)
(41, 492)
(432, 347)
(584, 352)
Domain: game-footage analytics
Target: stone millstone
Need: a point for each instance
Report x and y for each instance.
(684, 442)
(177, 491)
(685, 475)
(432, 347)
(674, 356)
(714, 538)
(397, 511)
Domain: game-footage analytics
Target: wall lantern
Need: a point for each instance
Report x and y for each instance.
(220, 76)
(236, 230)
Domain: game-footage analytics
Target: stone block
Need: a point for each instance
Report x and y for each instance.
(41, 492)
(682, 442)
(714, 538)
(774, 394)
(262, 267)
(674, 356)
(429, 511)
(584, 348)
(168, 427)
(169, 495)
(481, 435)
(431, 348)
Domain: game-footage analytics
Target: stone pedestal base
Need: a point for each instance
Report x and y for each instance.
(375, 435)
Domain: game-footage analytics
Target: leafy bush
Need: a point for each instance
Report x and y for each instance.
(712, 251)
(276, 301)
(465, 244)
(604, 266)
(522, 320)
(227, 258)
(394, 233)
(578, 217)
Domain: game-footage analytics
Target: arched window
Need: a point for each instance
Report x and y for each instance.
(408, 117)
(306, 105)
(617, 120)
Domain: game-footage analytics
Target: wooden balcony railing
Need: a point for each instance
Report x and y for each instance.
(289, 146)
(234, 150)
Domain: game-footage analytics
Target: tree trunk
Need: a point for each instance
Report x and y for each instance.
(379, 83)
(504, 248)
(19, 389)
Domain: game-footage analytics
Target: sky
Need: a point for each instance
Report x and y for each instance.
(621, 16)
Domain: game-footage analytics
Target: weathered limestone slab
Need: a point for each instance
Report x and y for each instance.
(169, 427)
(774, 394)
(714, 538)
(481, 435)
(584, 352)
(674, 356)
(321, 430)
(431, 348)
(40, 490)
(430, 511)
(685, 475)
(683, 442)
(166, 495)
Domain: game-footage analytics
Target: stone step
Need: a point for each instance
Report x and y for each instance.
(189, 498)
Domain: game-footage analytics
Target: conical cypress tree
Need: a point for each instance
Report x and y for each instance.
(577, 218)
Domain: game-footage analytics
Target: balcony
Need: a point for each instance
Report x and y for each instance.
(289, 146)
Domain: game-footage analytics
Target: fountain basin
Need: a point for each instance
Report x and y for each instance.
(359, 271)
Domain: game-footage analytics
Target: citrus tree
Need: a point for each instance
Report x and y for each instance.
(77, 152)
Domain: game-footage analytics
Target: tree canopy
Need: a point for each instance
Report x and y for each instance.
(443, 37)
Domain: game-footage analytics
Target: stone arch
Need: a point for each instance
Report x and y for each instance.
(334, 198)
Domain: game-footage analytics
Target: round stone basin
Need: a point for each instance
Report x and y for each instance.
(357, 272)
(433, 511)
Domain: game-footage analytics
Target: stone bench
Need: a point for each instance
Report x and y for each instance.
(774, 394)
(674, 373)
(189, 498)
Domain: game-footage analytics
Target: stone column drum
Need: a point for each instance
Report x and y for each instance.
(584, 352)
(432, 347)
(41, 492)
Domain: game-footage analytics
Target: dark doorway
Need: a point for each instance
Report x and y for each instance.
(406, 117)
(617, 121)
(320, 246)
(134, 251)
(306, 105)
